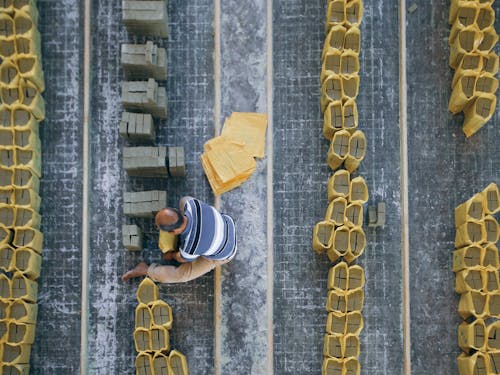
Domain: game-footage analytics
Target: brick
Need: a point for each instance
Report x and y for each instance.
(145, 203)
(144, 61)
(145, 96)
(146, 17)
(132, 237)
(176, 162)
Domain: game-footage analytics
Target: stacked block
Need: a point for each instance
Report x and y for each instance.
(176, 162)
(145, 96)
(22, 109)
(339, 89)
(344, 324)
(340, 234)
(145, 161)
(144, 101)
(144, 203)
(132, 237)
(144, 61)
(137, 127)
(153, 321)
(146, 17)
(472, 40)
(476, 265)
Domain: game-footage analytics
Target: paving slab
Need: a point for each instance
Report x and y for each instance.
(190, 121)
(445, 169)
(300, 179)
(59, 297)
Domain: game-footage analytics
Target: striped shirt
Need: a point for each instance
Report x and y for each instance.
(208, 233)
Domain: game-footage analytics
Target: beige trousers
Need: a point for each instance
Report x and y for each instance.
(185, 272)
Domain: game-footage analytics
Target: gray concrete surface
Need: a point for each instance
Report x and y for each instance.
(61, 191)
(244, 282)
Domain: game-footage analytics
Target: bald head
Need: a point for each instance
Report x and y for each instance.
(169, 219)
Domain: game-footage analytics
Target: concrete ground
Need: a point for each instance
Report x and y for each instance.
(263, 312)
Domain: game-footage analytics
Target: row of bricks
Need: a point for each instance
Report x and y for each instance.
(23, 107)
(476, 264)
(473, 36)
(153, 161)
(158, 363)
(152, 341)
(146, 17)
(341, 235)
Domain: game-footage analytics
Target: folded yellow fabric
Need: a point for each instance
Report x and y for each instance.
(227, 165)
(249, 129)
(228, 160)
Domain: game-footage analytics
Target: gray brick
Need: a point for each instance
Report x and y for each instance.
(143, 61)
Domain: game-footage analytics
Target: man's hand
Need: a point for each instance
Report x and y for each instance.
(174, 255)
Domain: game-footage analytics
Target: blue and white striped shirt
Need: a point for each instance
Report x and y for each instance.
(208, 233)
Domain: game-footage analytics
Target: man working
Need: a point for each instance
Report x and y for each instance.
(207, 239)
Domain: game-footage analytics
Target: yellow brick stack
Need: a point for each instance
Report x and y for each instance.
(153, 321)
(340, 235)
(472, 39)
(476, 264)
(22, 108)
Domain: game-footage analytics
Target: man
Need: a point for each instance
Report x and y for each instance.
(207, 239)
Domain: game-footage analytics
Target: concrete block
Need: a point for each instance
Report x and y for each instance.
(145, 96)
(176, 163)
(146, 17)
(144, 61)
(376, 215)
(145, 203)
(132, 237)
